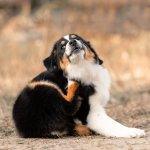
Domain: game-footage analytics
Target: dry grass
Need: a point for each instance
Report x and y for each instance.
(126, 57)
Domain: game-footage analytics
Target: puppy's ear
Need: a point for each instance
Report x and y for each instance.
(97, 59)
(51, 62)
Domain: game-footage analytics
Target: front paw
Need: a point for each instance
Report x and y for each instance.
(133, 133)
(127, 133)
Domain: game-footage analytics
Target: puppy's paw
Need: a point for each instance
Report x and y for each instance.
(128, 133)
(82, 130)
(134, 132)
(108, 127)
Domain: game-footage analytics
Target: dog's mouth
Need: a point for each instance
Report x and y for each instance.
(75, 50)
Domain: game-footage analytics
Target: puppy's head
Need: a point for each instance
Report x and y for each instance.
(70, 49)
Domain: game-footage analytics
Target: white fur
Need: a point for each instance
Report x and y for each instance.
(57, 133)
(68, 49)
(70, 82)
(66, 37)
(101, 123)
(98, 120)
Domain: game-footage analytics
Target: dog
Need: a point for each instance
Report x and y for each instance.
(72, 64)
(45, 108)
(78, 60)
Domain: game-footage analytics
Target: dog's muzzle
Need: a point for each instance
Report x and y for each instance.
(74, 47)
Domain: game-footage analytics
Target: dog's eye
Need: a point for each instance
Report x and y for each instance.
(63, 46)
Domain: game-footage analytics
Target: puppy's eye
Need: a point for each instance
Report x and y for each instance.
(63, 46)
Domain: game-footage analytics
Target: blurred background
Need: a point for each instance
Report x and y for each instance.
(119, 31)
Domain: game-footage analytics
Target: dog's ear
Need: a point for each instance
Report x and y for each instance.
(98, 60)
(51, 62)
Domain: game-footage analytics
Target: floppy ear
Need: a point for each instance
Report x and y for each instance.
(98, 60)
(51, 62)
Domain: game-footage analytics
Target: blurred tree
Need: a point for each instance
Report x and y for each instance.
(37, 3)
(24, 6)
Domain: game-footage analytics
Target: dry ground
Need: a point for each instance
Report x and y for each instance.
(131, 108)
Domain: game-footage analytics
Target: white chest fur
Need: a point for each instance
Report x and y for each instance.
(97, 119)
(89, 73)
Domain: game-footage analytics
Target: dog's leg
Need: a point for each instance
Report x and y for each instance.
(101, 123)
(72, 89)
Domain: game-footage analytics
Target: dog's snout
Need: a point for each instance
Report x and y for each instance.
(72, 42)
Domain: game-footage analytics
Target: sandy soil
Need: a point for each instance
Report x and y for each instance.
(130, 108)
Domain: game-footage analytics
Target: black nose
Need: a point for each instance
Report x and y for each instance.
(72, 42)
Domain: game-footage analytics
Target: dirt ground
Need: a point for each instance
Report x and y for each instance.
(131, 108)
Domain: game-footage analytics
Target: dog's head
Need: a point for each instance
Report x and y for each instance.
(70, 49)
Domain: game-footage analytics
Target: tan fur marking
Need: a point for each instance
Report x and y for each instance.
(89, 55)
(73, 36)
(64, 62)
(63, 42)
(32, 85)
(82, 130)
(71, 91)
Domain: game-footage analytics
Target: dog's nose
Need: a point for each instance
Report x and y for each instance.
(72, 42)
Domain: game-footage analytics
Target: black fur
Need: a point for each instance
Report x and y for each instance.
(38, 112)
(84, 92)
(52, 63)
(55, 76)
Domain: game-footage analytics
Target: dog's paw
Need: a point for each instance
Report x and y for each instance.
(128, 133)
(134, 132)
(82, 130)
(108, 127)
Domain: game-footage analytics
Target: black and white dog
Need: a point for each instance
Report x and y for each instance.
(79, 61)
(72, 61)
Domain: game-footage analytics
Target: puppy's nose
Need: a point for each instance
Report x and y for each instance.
(72, 42)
